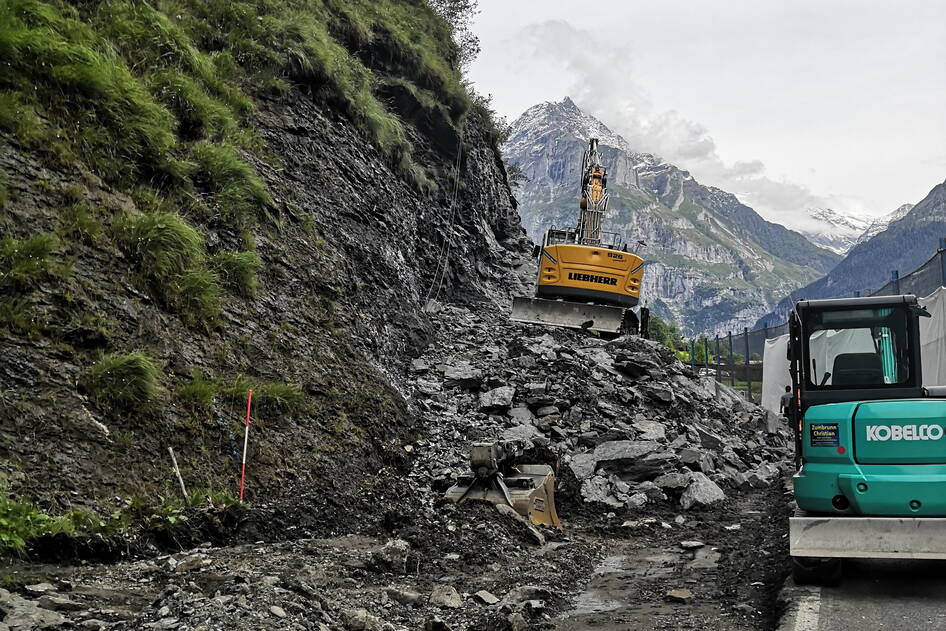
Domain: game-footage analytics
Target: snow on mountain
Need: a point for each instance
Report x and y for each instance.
(903, 240)
(834, 230)
(555, 121)
(880, 224)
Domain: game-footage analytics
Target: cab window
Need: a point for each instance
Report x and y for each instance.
(858, 348)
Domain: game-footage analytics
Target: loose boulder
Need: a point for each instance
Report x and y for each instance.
(701, 492)
(497, 399)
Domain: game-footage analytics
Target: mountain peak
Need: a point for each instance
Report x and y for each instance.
(564, 119)
(568, 103)
(902, 240)
(833, 229)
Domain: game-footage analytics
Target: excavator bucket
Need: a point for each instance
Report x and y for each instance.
(572, 315)
(530, 492)
(529, 489)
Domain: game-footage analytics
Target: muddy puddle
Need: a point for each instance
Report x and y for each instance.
(617, 597)
(722, 576)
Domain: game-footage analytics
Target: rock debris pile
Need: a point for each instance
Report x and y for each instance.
(469, 569)
(636, 437)
(629, 424)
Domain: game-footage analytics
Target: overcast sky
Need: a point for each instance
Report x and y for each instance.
(788, 104)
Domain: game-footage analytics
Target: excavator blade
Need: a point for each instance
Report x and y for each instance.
(572, 315)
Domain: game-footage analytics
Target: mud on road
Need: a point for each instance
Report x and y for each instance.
(655, 575)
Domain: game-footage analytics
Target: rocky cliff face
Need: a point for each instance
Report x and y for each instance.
(713, 263)
(905, 244)
(138, 310)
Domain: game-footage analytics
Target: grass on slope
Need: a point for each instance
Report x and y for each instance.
(200, 393)
(169, 255)
(122, 383)
(159, 93)
(155, 98)
(24, 264)
(22, 523)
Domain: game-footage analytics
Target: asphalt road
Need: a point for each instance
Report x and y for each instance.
(875, 594)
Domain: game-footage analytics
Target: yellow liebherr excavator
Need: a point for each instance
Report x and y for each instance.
(587, 279)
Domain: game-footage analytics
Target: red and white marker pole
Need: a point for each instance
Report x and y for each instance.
(246, 440)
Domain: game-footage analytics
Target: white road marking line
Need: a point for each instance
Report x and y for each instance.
(808, 614)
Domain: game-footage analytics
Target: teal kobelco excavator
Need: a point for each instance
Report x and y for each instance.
(870, 440)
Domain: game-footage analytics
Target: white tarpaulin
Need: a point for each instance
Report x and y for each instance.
(826, 345)
(933, 339)
(775, 375)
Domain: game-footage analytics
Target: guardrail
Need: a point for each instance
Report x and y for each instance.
(922, 281)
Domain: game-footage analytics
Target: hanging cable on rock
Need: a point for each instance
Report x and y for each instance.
(441, 269)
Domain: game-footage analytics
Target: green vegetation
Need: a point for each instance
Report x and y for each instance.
(109, 117)
(146, 93)
(199, 115)
(268, 396)
(666, 333)
(79, 221)
(237, 271)
(16, 316)
(157, 97)
(20, 119)
(702, 352)
(23, 263)
(21, 522)
(515, 175)
(171, 515)
(197, 296)
(497, 130)
(171, 260)
(122, 383)
(199, 393)
(238, 192)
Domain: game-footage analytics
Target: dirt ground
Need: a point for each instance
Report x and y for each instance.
(382, 551)
(733, 578)
(602, 571)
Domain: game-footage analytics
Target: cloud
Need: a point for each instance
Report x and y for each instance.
(603, 85)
